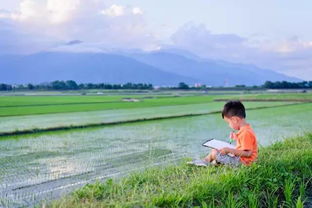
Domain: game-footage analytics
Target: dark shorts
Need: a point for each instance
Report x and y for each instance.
(228, 160)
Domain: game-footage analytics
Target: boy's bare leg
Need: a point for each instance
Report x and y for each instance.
(212, 156)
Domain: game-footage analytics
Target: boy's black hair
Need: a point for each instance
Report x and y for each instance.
(234, 108)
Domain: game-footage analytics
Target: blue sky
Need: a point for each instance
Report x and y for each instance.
(270, 34)
(276, 19)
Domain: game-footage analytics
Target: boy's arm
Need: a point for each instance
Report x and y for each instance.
(240, 153)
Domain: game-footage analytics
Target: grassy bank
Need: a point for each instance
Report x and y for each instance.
(282, 177)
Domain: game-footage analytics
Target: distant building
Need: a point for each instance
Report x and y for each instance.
(197, 85)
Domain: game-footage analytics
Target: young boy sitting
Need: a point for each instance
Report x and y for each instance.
(246, 150)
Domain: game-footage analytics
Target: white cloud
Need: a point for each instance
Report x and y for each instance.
(114, 11)
(61, 11)
(119, 10)
(201, 41)
(291, 45)
(292, 56)
(92, 21)
(137, 11)
(29, 9)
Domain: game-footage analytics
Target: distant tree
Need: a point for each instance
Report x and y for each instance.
(30, 86)
(101, 86)
(90, 86)
(183, 86)
(128, 85)
(5, 87)
(287, 85)
(108, 86)
(81, 86)
(240, 86)
(116, 86)
(268, 84)
(21, 87)
(71, 85)
(58, 85)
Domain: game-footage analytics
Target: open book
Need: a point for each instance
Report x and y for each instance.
(217, 144)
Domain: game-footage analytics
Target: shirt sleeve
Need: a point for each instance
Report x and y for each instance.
(247, 141)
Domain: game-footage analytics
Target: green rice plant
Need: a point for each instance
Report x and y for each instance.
(30, 105)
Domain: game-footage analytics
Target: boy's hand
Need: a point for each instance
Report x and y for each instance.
(225, 150)
(233, 135)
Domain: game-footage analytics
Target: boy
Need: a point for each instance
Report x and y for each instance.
(246, 150)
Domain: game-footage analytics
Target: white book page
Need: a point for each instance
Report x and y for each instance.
(217, 144)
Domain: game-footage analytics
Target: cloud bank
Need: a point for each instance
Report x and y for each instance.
(58, 21)
(99, 26)
(292, 56)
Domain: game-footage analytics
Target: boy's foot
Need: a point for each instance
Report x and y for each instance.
(198, 162)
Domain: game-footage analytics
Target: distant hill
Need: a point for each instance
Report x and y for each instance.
(211, 72)
(158, 68)
(83, 68)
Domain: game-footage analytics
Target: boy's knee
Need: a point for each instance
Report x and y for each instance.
(213, 154)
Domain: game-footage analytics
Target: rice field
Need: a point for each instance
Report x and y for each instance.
(17, 106)
(47, 165)
(29, 122)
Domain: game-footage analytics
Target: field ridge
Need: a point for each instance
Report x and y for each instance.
(266, 100)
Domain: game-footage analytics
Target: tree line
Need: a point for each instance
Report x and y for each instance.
(266, 85)
(288, 85)
(72, 85)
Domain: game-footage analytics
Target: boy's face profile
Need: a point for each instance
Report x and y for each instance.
(233, 121)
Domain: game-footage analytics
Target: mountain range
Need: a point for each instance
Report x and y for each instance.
(165, 68)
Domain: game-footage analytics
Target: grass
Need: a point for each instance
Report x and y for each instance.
(280, 178)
